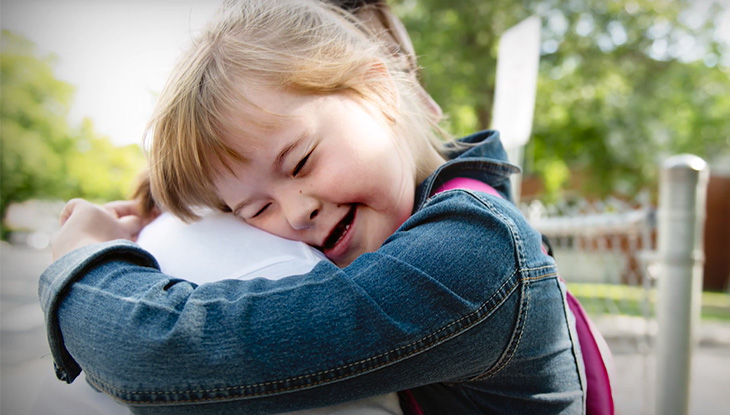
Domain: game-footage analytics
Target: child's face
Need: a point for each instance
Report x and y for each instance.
(331, 175)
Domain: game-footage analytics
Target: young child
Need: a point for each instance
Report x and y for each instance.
(289, 115)
(218, 246)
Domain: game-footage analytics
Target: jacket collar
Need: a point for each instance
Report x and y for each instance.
(479, 156)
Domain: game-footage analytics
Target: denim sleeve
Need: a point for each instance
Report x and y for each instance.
(55, 280)
(412, 313)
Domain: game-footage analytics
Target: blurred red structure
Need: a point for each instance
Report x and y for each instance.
(717, 235)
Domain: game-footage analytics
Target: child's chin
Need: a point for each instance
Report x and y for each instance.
(342, 263)
(347, 259)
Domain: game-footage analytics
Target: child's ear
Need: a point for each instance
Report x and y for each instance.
(380, 82)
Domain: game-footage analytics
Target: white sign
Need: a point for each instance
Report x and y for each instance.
(516, 84)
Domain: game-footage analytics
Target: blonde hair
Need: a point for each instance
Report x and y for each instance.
(304, 46)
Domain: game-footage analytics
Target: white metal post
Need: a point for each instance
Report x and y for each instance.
(515, 90)
(681, 217)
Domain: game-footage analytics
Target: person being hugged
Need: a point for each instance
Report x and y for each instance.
(290, 115)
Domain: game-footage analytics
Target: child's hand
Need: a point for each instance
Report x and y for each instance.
(124, 208)
(84, 223)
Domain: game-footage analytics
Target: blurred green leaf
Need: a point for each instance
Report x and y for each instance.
(42, 155)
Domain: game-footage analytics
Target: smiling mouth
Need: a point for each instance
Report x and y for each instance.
(340, 230)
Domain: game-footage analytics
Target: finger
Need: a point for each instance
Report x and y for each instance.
(68, 209)
(121, 208)
(131, 225)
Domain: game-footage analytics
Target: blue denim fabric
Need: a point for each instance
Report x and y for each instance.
(459, 304)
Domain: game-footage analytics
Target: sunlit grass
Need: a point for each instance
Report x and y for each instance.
(629, 300)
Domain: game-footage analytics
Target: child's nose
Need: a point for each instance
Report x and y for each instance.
(301, 211)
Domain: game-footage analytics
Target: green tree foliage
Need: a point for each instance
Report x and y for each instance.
(99, 170)
(42, 155)
(33, 126)
(622, 83)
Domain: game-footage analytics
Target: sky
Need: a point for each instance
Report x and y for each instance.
(117, 54)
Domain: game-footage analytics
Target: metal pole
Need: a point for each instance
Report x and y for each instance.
(681, 218)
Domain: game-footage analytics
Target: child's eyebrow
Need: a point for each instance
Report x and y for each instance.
(279, 161)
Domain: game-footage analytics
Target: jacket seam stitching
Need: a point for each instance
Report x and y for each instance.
(511, 349)
(117, 392)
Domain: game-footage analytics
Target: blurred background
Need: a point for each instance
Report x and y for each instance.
(622, 85)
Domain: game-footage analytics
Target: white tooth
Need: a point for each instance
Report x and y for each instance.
(347, 228)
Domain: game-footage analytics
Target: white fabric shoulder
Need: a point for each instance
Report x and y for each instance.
(220, 246)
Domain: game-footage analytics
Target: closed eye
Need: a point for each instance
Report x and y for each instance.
(298, 168)
(261, 210)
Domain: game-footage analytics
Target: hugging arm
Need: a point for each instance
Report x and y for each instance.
(380, 325)
(395, 319)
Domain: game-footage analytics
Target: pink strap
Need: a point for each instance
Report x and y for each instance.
(409, 405)
(597, 359)
(467, 183)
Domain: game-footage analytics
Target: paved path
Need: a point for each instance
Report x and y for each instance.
(26, 368)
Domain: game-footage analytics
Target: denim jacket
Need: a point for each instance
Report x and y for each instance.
(459, 305)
